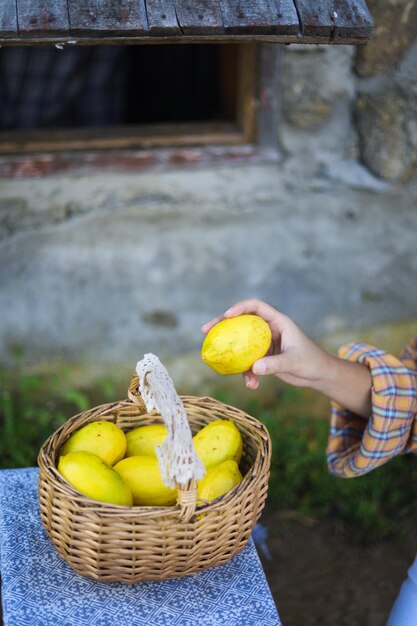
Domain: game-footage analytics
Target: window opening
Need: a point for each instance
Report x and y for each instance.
(126, 96)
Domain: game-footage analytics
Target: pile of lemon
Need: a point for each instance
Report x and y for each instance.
(103, 462)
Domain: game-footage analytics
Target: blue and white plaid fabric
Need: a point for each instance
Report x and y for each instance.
(40, 589)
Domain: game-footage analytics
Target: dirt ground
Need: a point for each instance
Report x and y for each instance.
(318, 578)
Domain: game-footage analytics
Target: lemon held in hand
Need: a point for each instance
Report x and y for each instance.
(90, 475)
(217, 442)
(233, 345)
(103, 438)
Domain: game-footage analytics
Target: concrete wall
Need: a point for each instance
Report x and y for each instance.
(103, 268)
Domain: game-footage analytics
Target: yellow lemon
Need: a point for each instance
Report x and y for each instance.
(219, 480)
(233, 345)
(103, 438)
(217, 442)
(90, 475)
(142, 475)
(141, 441)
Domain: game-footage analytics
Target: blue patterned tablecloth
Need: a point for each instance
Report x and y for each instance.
(40, 589)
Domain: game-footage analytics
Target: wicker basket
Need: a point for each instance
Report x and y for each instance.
(113, 543)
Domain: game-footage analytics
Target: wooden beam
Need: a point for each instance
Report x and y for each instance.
(101, 18)
(266, 17)
(42, 18)
(162, 18)
(328, 20)
(315, 18)
(199, 17)
(121, 137)
(89, 22)
(8, 19)
(353, 20)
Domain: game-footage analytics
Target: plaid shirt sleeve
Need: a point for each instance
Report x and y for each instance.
(357, 445)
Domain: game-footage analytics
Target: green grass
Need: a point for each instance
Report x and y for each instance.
(32, 407)
(373, 507)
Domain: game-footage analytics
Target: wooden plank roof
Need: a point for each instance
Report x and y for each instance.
(183, 21)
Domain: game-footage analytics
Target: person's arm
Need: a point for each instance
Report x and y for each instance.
(363, 381)
(296, 359)
(348, 384)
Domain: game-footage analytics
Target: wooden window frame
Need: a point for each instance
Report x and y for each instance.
(253, 135)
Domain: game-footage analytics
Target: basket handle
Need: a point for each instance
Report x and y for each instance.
(133, 392)
(187, 500)
(186, 491)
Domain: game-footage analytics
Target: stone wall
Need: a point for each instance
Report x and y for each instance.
(103, 268)
(380, 82)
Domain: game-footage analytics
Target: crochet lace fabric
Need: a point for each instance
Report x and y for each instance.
(178, 460)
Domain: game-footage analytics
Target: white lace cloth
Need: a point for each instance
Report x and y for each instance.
(177, 457)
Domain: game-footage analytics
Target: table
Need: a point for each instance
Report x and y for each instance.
(40, 589)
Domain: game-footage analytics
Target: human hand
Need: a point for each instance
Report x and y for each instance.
(292, 356)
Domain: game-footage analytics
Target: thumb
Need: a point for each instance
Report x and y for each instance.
(269, 365)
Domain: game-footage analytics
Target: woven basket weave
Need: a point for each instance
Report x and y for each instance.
(112, 543)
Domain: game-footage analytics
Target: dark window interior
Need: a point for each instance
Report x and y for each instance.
(174, 83)
(94, 86)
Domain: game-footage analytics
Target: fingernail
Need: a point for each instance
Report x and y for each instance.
(247, 379)
(228, 311)
(259, 367)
